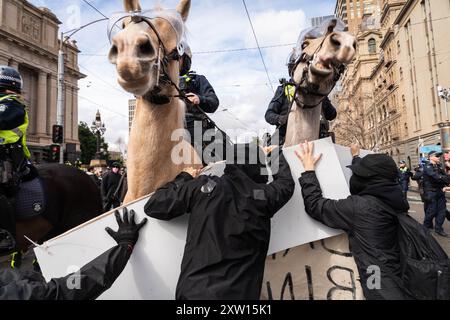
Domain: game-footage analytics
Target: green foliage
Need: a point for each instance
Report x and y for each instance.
(88, 142)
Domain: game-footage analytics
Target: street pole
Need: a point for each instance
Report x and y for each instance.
(60, 107)
(60, 99)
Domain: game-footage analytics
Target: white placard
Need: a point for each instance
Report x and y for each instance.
(154, 267)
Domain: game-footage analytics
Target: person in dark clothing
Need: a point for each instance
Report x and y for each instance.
(404, 177)
(94, 278)
(229, 226)
(278, 112)
(111, 188)
(202, 99)
(435, 180)
(371, 229)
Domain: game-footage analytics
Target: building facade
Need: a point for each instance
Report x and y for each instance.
(413, 58)
(29, 42)
(317, 21)
(352, 12)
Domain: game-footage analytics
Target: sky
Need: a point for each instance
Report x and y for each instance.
(238, 77)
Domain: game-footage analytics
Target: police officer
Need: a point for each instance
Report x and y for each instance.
(404, 177)
(14, 154)
(434, 181)
(278, 112)
(201, 99)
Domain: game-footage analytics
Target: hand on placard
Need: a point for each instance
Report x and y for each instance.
(306, 156)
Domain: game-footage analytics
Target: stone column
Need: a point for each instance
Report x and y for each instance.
(41, 108)
(51, 110)
(75, 114)
(68, 113)
(3, 60)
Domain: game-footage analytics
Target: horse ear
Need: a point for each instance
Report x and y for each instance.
(131, 5)
(331, 25)
(183, 9)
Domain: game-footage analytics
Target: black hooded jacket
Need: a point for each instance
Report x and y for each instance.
(371, 229)
(229, 230)
(94, 279)
(279, 107)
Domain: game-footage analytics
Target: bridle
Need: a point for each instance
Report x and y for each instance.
(160, 68)
(305, 87)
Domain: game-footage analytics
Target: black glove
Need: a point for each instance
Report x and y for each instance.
(283, 119)
(128, 232)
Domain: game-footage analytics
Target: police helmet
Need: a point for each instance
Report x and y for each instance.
(10, 79)
(187, 60)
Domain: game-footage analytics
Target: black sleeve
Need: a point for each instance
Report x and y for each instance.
(281, 189)
(338, 214)
(329, 111)
(105, 183)
(92, 280)
(208, 98)
(172, 200)
(436, 177)
(12, 114)
(276, 104)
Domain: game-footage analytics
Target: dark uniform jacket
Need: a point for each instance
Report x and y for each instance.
(95, 278)
(110, 182)
(404, 177)
(434, 180)
(280, 107)
(209, 102)
(371, 229)
(229, 230)
(12, 114)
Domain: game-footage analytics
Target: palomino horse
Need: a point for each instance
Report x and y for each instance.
(147, 54)
(325, 269)
(72, 198)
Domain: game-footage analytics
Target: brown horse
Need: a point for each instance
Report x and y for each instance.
(72, 198)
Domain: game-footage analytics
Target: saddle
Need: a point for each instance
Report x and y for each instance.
(30, 199)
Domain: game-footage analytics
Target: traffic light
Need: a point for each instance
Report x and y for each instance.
(46, 156)
(58, 135)
(54, 153)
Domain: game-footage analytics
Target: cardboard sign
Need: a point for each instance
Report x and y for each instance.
(154, 267)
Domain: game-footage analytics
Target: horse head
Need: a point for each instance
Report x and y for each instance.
(147, 46)
(318, 61)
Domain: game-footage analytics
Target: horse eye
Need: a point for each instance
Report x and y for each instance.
(305, 44)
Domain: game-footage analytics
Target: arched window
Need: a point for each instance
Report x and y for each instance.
(372, 45)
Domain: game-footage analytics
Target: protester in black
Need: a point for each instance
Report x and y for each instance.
(94, 278)
(229, 226)
(372, 230)
(111, 184)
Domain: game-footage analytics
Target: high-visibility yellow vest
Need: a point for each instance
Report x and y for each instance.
(16, 134)
(289, 91)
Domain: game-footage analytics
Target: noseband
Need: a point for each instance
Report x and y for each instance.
(160, 69)
(305, 87)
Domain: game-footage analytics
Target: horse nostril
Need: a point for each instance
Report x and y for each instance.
(335, 41)
(354, 45)
(113, 52)
(146, 48)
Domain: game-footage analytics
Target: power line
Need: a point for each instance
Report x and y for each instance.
(99, 78)
(102, 107)
(214, 51)
(257, 43)
(93, 7)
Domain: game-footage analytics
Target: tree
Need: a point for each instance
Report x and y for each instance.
(88, 143)
(351, 127)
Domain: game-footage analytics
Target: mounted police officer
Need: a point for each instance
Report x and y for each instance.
(278, 112)
(14, 154)
(435, 180)
(201, 99)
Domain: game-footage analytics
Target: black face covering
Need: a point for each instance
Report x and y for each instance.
(245, 157)
(387, 190)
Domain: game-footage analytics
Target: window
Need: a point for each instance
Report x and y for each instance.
(372, 46)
